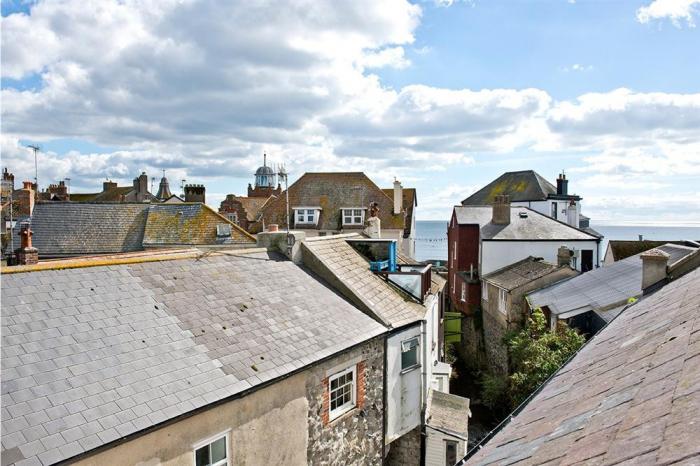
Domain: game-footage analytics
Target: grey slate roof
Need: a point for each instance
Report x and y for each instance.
(535, 226)
(630, 396)
(90, 355)
(601, 288)
(526, 185)
(338, 263)
(448, 413)
(622, 249)
(519, 273)
(66, 228)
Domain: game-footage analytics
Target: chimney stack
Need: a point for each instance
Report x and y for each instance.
(195, 193)
(501, 210)
(26, 254)
(562, 185)
(398, 197)
(572, 214)
(654, 267)
(374, 224)
(108, 185)
(564, 256)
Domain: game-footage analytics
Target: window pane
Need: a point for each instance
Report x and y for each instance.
(218, 450)
(450, 453)
(409, 358)
(357, 212)
(202, 456)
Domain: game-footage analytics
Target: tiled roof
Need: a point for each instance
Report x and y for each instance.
(188, 223)
(630, 396)
(91, 355)
(332, 192)
(252, 206)
(334, 260)
(526, 185)
(448, 413)
(601, 288)
(534, 226)
(624, 249)
(409, 201)
(520, 273)
(71, 228)
(67, 228)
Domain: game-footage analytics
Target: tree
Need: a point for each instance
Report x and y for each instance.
(535, 354)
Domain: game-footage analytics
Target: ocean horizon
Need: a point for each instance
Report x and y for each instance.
(431, 236)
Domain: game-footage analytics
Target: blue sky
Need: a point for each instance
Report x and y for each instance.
(443, 95)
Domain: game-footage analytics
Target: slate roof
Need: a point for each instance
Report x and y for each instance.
(630, 396)
(90, 355)
(71, 228)
(111, 195)
(623, 249)
(347, 270)
(601, 288)
(68, 228)
(252, 206)
(535, 226)
(409, 201)
(332, 191)
(190, 224)
(520, 273)
(526, 185)
(448, 413)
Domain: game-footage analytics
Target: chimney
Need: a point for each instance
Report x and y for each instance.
(564, 256)
(26, 254)
(501, 210)
(654, 265)
(562, 185)
(374, 224)
(195, 193)
(572, 214)
(398, 197)
(141, 187)
(109, 185)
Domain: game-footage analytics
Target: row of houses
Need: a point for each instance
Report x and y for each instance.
(328, 348)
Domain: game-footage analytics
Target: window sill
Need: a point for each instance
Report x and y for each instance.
(410, 369)
(342, 414)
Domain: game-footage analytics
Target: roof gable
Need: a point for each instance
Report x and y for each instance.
(526, 185)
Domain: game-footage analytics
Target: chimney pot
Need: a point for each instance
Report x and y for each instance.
(562, 185)
(501, 210)
(273, 227)
(654, 267)
(26, 254)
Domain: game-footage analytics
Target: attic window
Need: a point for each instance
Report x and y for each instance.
(306, 215)
(223, 229)
(353, 216)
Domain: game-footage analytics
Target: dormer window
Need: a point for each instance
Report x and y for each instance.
(306, 215)
(353, 216)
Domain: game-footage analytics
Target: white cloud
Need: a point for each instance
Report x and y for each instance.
(577, 67)
(675, 10)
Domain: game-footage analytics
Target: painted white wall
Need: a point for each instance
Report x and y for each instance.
(498, 254)
(435, 453)
(404, 397)
(545, 207)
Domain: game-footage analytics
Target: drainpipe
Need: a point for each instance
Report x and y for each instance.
(424, 389)
(384, 397)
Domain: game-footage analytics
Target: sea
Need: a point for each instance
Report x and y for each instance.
(431, 236)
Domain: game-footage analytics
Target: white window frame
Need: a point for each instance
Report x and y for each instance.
(484, 291)
(232, 217)
(463, 296)
(340, 410)
(353, 216)
(305, 215)
(502, 300)
(406, 344)
(208, 442)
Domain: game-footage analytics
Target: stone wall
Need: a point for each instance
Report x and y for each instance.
(405, 450)
(496, 351)
(471, 348)
(355, 437)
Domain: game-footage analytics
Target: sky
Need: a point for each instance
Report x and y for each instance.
(443, 95)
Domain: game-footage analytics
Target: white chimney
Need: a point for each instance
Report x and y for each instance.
(654, 265)
(572, 214)
(398, 197)
(374, 229)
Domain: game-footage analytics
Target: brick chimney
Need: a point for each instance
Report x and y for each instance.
(141, 187)
(109, 185)
(572, 214)
(26, 254)
(195, 193)
(398, 197)
(564, 256)
(654, 267)
(562, 185)
(501, 210)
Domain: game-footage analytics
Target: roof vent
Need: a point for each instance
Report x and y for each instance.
(223, 229)
(523, 214)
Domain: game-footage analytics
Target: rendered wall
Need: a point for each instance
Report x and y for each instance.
(435, 453)
(498, 254)
(403, 389)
